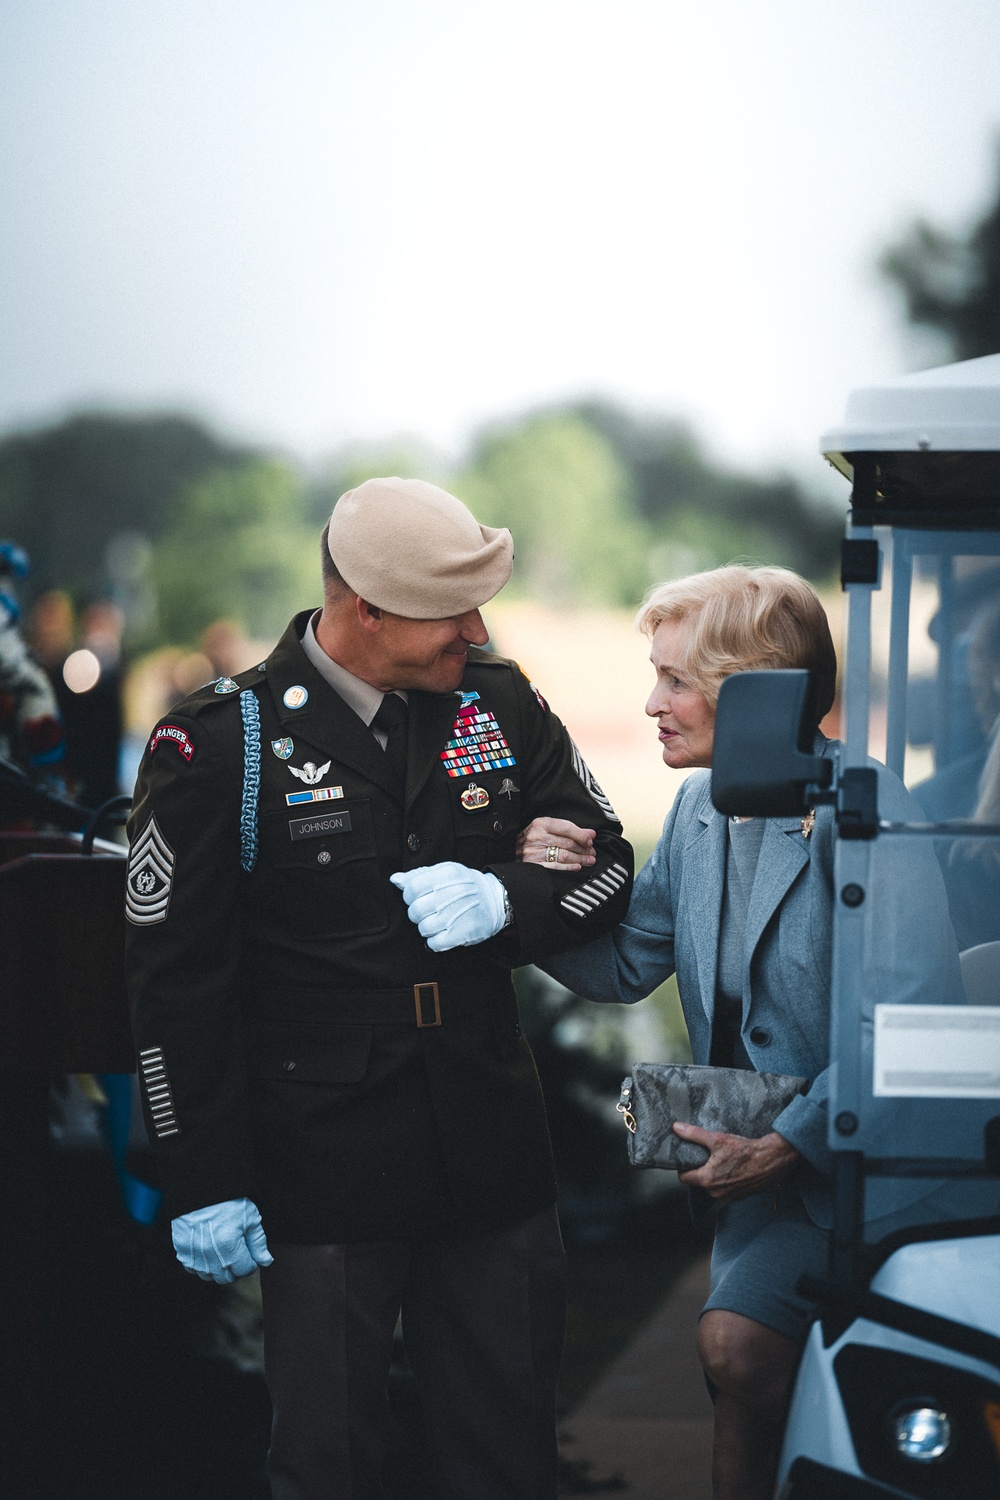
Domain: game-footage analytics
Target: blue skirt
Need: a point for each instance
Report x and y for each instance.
(763, 1244)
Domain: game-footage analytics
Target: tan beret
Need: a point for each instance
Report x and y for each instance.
(410, 547)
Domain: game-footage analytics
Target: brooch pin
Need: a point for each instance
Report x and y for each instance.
(808, 822)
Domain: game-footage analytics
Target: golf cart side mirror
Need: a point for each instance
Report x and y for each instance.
(762, 754)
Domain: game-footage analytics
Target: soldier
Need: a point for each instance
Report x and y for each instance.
(313, 1070)
(31, 734)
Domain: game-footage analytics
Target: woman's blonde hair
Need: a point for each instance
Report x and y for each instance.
(744, 619)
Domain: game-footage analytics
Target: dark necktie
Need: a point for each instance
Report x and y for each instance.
(391, 720)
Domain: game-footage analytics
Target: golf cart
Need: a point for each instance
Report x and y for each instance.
(898, 1391)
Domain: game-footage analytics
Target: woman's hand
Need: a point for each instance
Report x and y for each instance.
(737, 1166)
(556, 843)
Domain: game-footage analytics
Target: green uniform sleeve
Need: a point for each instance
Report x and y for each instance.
(552, 911)
(183, 957)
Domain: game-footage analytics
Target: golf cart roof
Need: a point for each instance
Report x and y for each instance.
(926, 443)
(952, 409)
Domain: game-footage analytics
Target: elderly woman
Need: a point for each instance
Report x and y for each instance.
(741, 910)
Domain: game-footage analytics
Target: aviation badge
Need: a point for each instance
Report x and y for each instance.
(310, 773)
(282, 748)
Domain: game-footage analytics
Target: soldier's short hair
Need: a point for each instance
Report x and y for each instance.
(743, 619)
(333, 583)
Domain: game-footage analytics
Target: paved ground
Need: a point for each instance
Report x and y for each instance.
(648, 1422)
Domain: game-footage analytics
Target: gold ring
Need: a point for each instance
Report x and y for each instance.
(552, 854)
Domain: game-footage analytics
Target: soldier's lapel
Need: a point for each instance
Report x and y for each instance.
(431, 718)
(326, 724)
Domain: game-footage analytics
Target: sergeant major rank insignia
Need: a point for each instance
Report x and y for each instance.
(150, 877)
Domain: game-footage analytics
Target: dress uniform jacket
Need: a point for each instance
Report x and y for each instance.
(299, 1044)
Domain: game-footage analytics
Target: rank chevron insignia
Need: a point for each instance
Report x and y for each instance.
(150, 877)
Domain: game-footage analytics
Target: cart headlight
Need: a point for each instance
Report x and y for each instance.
(922, 1433)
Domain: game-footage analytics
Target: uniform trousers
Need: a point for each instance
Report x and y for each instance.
(482, 1320)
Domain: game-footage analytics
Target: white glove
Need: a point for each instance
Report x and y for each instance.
(222, 1242)
(451, 905)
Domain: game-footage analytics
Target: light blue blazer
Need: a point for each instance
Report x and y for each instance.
(672, 926)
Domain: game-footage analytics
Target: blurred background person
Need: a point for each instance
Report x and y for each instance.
(31, 733)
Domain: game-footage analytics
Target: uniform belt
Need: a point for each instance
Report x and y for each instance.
(420, 1005)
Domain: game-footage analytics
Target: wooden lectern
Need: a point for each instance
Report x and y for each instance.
(63, 1009)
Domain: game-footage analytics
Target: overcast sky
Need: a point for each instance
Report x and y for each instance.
(324, 220)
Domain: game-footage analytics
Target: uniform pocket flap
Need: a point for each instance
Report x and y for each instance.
(310, 1053)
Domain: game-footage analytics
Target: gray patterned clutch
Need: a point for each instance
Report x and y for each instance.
(736, 1100)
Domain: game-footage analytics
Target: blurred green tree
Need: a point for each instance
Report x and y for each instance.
(566, 496)
(951, 282)
(701, 515)
(409, 458)
(239, 546)
(68, 491)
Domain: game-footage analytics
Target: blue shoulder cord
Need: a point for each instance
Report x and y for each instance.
(250, 709)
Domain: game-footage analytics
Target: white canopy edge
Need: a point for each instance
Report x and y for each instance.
(951, 408)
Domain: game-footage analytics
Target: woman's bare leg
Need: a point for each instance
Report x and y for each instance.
(752, 1369)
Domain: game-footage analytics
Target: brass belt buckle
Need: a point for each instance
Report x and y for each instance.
(424, 994)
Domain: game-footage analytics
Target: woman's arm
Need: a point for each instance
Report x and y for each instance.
(629, 962)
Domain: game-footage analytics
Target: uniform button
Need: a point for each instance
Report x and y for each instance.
(413, 843)
(323, 857)
(498, 826)
(289, 1067)
(760, 1037)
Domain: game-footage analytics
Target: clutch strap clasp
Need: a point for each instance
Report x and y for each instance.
(624, 1105)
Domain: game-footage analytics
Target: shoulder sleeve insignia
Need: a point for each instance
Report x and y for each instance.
(150, 877)
(586, 776)
(172, 734)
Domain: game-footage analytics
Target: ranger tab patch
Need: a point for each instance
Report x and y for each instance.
(172, 734)
(150, 877)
